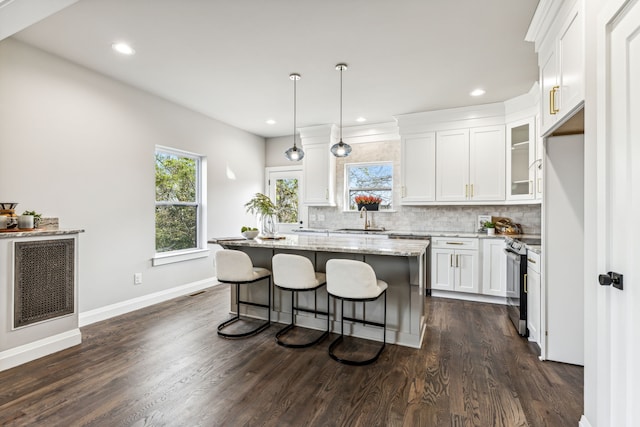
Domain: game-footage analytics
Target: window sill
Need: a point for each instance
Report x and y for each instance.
(170, 258)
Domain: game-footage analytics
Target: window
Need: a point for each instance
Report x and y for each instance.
(284, 185)
(179, 201)
(369, 179)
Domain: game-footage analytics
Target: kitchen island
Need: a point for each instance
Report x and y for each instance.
(403, 264)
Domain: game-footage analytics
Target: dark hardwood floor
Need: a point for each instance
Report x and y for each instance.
(165, 366)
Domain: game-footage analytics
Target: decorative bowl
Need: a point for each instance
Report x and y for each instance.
(8, 205)
(250, 234)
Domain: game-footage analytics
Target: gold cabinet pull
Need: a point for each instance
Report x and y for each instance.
(450, 260)
(552, 100)
(540, 185)
(471, 190)
(532, 261)
(457, 260)
(455, 243)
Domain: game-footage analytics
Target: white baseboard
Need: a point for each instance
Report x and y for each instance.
(34, 350)
(123, 307)
(584, 422)
(469, 297)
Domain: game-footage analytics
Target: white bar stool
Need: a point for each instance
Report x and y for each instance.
(351, 280)
(235, 267)
(295, 273)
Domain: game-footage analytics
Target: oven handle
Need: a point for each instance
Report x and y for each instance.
(513, 256)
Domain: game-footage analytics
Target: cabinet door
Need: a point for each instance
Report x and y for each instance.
(550, 88)
(452, 165)
(466, 266)
(318, 175)
(418, 169)
(442, 269)
(571, 61)
(487, 163)
(520, 159)
(533, 304)
(494, 268)
(539, 163)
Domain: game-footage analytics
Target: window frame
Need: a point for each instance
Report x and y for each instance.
(347, 189)
(200, 250)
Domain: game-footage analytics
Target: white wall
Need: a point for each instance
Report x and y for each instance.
(77, 145)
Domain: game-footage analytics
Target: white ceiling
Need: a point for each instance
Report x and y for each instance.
(231, 60)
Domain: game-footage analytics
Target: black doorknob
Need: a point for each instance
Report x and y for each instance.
(605, 279)
(611, 278)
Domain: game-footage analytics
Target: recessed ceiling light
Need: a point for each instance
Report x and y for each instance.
(270, 122)
(361, 119)
(123, 48)
(478, 92)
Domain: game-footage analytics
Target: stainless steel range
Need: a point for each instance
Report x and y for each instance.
(516, 252)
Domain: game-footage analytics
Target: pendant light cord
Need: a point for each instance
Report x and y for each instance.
(294, 113)
(341, 68)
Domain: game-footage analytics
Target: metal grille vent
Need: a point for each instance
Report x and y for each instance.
(44, 281)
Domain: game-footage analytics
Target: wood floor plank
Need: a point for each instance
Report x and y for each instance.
(166, 366)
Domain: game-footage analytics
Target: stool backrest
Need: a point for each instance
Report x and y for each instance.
(349, 278)
(293, 271)
(233, 266)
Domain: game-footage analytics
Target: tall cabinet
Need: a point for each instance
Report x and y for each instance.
(318, 165)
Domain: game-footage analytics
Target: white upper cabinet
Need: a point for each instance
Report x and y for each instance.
(557, 29)
(318, 165)
(521, 159)
(452, 165)
(487, 163)
(470, 164)
(418, 168)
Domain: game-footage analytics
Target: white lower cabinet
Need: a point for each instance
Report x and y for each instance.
(494, 268)
(533, 290)
(454, 264)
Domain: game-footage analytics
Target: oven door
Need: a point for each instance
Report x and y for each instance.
(516, 294)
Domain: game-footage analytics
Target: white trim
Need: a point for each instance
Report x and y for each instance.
(123, 307)
(490, 299)
(171, 257)
(584, 422)
(36, 349)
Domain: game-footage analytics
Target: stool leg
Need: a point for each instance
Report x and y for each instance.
(291, 325)
(235, 318)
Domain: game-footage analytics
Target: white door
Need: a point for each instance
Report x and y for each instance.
(487, 163)
(284, 187)
(466, 263)
(442, 269)
(617, 217)
(452, 165)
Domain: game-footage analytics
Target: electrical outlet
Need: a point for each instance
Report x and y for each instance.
(137, 279)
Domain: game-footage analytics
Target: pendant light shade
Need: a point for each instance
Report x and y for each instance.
(294, 153)
(341, 149)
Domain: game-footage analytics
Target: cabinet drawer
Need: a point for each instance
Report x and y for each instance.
(533, 261)
(454, 243)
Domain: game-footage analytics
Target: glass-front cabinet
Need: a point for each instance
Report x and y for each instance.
(521, 159)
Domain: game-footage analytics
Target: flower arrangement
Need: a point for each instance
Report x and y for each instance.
(367, 200)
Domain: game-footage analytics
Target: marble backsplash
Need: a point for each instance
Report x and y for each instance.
(428, 218)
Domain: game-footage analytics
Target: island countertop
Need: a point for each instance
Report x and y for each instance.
(348, 244)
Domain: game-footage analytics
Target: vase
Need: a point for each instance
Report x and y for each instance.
(268, 225)
(369, 206)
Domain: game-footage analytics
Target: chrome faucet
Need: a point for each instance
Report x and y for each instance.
(367, 224)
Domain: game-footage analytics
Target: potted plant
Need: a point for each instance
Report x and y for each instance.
(267, 212)
(370, 203)
(491, 227)
(36, 217)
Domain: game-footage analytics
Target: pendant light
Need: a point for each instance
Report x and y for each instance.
(341, 149)
(294, 153)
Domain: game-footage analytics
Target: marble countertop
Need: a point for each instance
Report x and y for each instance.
(38, 232)
(414, 234)
(535, 248)
(350, 243)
